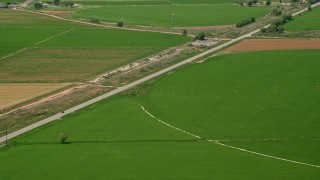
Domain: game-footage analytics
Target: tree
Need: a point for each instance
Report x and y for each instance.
(263, 30)
(120, 24)
(200, 36)
(280, 29)
(94, 20)
(56, 2)
(250, 3)
(38, 5)
(63, 137)
(184, 32)
(268, 2)
(255, 1)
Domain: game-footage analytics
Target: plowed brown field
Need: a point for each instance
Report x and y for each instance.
(15, 93)
(275, 44)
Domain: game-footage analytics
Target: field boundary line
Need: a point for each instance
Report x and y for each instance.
(55, 36)
(14, 53)
(225, 145)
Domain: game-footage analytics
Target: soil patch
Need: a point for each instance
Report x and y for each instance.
(275, 44)
(15, 93)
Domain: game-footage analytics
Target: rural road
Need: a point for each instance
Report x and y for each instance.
(133, 84)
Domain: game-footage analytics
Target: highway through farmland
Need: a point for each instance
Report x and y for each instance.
(133, 84)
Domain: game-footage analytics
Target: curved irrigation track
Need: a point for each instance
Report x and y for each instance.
(225, 145)
(144, 79)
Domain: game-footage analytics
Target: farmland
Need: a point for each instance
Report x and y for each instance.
(184, 15)
(307, 21)
(51, 49)
(15, 93)
(150, 2)
(115, 136)
(179, 92)
(275, 44)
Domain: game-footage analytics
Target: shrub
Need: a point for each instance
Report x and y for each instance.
(263, 30)
(249, 3)
(38, 5)
(200, 36)
(120, 24)
(63, 137)
(56, 2)
(272, 28)
(309, 7)
(313, 1)
(94, 20)
(245, 22)
(268, 3)
(184, 32)
(280, 29)
(67, 4)
(276, 11)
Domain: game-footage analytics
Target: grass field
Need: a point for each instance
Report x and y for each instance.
(184, 15)
(307, 21)
(15, 93)
(256, 97)
(69, 52)
(246, 96)
(150, 2)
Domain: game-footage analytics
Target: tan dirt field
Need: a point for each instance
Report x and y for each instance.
(275, 44)
(15, 93)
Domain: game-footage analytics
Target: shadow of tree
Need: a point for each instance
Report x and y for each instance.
(102, 142)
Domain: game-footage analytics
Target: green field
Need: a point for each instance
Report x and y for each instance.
(61, 51)
(150, 2)
(184, 15)
(307, 21)
(262, 101)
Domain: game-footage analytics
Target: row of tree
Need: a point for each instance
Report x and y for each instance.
(277, 25)
(245, 22)
(40, 5)
(251, 2)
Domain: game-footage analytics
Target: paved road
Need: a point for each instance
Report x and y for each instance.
(133, 84)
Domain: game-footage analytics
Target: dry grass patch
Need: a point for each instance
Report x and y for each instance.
(275, 44)
(14, 93)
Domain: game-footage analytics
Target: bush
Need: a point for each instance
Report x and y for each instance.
(286, 18)
(276, 11)
(280, 29)
(278, 22)
(63, 137)
(313, 1)
(272, 28)
(67, 4)
(249, 3)
(200, 36)
(263, 30)
(94, 20)
(120, 24)
(245, 22)
(56, 2)
(38, 5)
(268, 3)
(184, 32)
(255, 1)
(309, 7)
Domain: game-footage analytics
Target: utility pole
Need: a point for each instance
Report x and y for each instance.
(172, 15)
